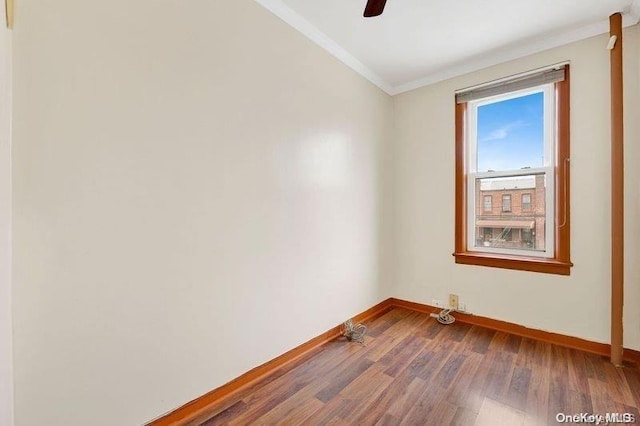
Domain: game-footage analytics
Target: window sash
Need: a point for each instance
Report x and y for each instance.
(549, 126)
(549, 223)
(548, 170)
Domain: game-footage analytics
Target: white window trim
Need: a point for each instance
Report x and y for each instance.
(548, 170)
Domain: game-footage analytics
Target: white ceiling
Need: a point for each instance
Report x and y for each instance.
(418, 42)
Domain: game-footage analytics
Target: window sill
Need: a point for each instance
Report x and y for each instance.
(521, 263)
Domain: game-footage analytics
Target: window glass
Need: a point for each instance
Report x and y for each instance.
(511, 134)
(518, 230)
(487, 203)
(506, 203)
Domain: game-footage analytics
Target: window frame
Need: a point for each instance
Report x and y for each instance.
(559, 260)
(546, 169)
(484, 204)
(506, 197)
(522, 203)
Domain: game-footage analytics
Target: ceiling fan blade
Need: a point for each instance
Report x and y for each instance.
(374, 8)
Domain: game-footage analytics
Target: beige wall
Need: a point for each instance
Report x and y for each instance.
(197, 190)
(6, 388)
(577, 305)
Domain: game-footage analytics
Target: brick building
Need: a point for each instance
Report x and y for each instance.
(510, 212)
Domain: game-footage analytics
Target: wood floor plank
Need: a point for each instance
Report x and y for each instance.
(513, 343)
(577, 367)
(413, 321)
(340, 381)
(336, 421)
(402, 403)
(595, 366)
(331, 412)
(464, 417)
(527, 353)
(438, 356)
(415, 371)
(601, 398)
(447, 374)
(386, 420)
(519, 388)
(442, 414)
(633, 380)
(364, 389)
(456, 331)
(559, 385)
(500, 371)
(479, 339)
(537, 407)
(543, 354)
(399, 360)
(421, 411)
(226, 415)
(430, 329)
(471, 392)
(384, 322)
(295, 409)
(618, 386)
(378, 407)
(494, 413)
(465, 382)
(383, 344)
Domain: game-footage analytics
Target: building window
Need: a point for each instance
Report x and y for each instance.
(487, 203)
(506, 203)
(488, 235)
(527, 237)
(512, 136)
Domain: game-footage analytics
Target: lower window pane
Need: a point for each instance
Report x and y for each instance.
(510, 223)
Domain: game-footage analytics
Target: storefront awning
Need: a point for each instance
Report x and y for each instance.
(526, 224)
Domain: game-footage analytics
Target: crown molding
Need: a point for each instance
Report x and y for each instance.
(291, 17)
(631, 16)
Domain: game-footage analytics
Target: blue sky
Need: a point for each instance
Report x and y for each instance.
(511, 133)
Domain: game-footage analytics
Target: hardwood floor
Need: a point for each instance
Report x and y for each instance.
(415, 371)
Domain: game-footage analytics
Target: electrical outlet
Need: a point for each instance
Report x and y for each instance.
(437, 303)
(462, 307)
(453, 301)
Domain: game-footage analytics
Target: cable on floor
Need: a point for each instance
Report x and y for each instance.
(354, 332)
(445, 317)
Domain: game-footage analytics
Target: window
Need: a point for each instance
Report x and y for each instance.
(487, 203)
(527, 237)
(506, 203)
(512, 140)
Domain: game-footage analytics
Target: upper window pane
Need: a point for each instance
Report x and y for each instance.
(510, 133)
